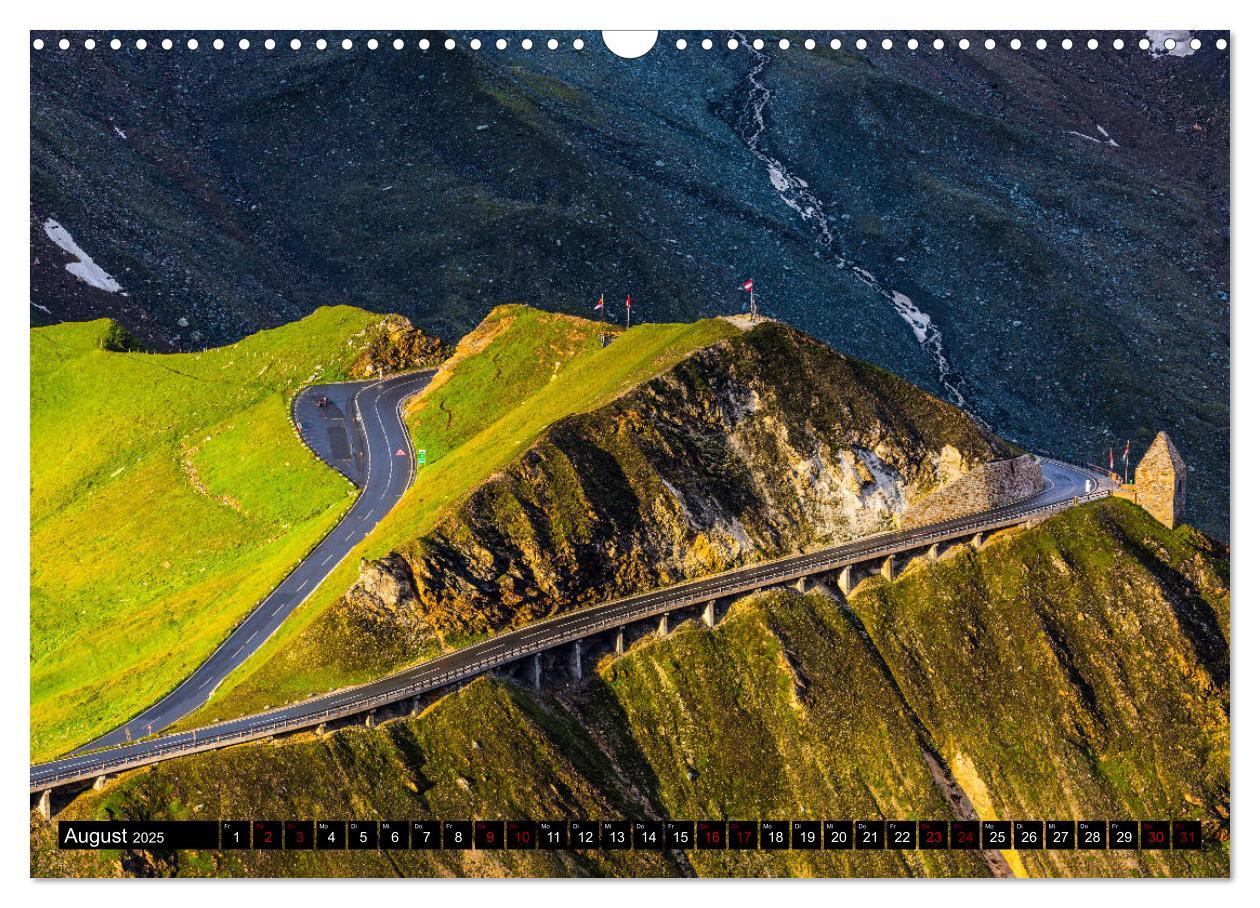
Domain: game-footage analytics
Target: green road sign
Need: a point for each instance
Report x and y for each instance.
(422, 456)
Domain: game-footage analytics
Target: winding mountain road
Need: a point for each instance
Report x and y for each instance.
(1065, 485)
(360, 433)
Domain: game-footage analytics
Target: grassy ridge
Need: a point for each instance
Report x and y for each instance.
(169, 494)
(510, 379)
(1106, 697)
(1077, 670)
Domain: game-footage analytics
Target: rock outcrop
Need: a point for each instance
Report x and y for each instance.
(394, 344)
(757, 446)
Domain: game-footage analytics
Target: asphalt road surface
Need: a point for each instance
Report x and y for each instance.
(1065, 485)
(360, 433)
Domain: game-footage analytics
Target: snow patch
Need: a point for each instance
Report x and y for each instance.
(84, 269)
(121, 134)
(1157, 39)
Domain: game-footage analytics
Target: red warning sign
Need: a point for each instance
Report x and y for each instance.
(400, 453)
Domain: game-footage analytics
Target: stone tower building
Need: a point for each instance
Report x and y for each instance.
(1159, 482)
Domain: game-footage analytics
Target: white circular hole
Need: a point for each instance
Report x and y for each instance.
(1221, 44)
(1067, 44)
(141, 44)
(912, 44)
(38, 44)
(552, 44)
(1195, 43)
(270, 44)
(578, 44)
(835, 43)
(732, 44)
(64, 43)
(886, 44)
(527, 44)
(629, 44)
(989, 44)
(938, 44)
(295, 44)
(1170, 44)
(681, 44)
(1041, 44)
(861, 44)
(90, 44)
(784, 44)
(810, 43)
(373, 44)
(1092, 44)
(1016, 44)
(707, 44)
(964, 44)
(758, 44)
(398, 44)
(1118, 44)
(167, 44)
(424, 43)
(475, 44)
(218, 44)
(115, 44)
(243, 44)
(449, 43)
(321, 44)
(501, 44)
(346, 44)
(1145, 44)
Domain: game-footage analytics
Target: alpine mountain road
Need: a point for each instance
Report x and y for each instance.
(1065, 485)
(357, 428)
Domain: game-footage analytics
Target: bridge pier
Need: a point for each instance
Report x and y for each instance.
(844, 579)
(415, 706)
(370, 719)
(536, 670)
(45, 803)
(577, 660)
(662, 627)
(709, 615)
(802, 584)
(320, 729)
(934, 551)
(977, 540)
(889, 568)
(99, 784)
(619, 644)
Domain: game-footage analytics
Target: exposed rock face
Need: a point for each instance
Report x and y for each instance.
(757, 446)
(393, 345)
(383, 602)
(989, 485)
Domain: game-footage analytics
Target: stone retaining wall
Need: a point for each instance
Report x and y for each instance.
(990, 485)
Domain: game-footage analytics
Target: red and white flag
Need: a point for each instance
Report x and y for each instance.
(1111, 459)
(746, 286)
(600, 304)
(1126, 451)
(627, 302)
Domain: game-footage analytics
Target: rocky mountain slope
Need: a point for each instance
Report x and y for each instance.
(755, 444)
(1043, 234)
(915, 699)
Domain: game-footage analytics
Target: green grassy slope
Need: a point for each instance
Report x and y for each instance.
(1074, 670)
(169, 493)
(1078, 670)
(752, 711)
(518, 373)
